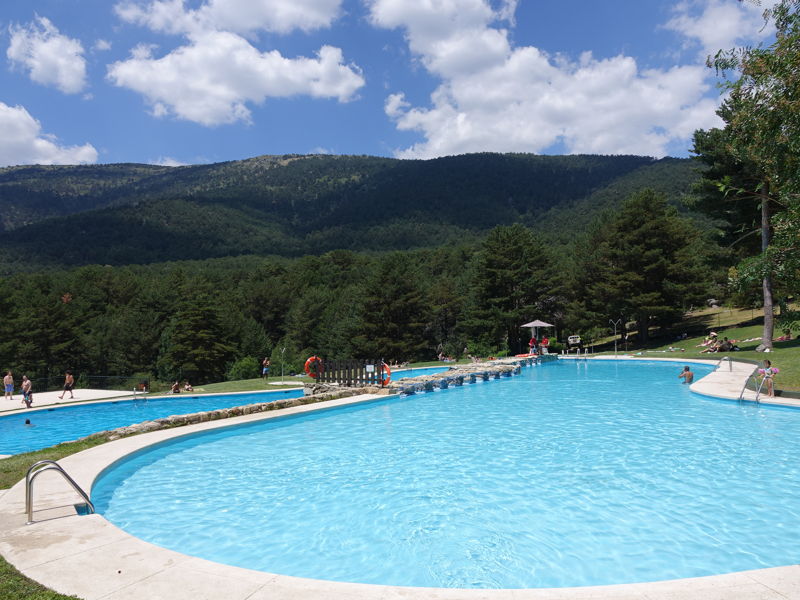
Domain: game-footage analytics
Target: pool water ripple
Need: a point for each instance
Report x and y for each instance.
(567, 475)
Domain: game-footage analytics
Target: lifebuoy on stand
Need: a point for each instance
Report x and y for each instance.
(313, 366)
(387, 374)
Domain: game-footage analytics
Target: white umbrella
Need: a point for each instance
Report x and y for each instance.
(536, 323)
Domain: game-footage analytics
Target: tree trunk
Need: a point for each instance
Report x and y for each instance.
(644, 329)
(766, 337)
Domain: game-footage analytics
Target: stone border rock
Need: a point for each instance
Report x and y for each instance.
(317, 394)
(470, 373)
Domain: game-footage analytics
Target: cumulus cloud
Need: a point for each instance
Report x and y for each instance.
(238, 16)
(22, 142)
(210, 80)
(213, 78)
(497, 97)
(49, 57)
(715, 25)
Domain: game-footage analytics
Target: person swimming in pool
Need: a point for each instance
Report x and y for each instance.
(686, 375)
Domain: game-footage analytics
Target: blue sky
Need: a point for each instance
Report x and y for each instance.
(197, 81)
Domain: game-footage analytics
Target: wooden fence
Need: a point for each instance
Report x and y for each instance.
(352, 372)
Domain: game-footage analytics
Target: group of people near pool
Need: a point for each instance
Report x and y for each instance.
(176, 387)
(26, 387)
(535, 346)
(712, 343)
(767, 373)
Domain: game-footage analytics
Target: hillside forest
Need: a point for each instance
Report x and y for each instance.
(199, 272)
(210, 319)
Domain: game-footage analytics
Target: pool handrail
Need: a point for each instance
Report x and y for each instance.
(730, 363)
(758, 387)
(40, 467)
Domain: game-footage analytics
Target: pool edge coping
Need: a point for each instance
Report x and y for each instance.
(87, 556)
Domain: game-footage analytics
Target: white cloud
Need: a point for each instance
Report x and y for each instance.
(49, 57)
(210, 80)
(101, 45)
(496, 97)
(168, 161)
(22, 142)
(217, 74)
(238, 16)
(715, 25)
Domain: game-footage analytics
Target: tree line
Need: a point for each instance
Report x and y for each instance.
(208, 320)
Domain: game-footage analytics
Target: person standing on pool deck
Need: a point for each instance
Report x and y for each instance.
(27, 395)
(8, 384)
(686, 375)
(69, 382)
(265, 367)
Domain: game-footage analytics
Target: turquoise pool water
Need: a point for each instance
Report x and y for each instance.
(570, 474)
(408, 373)
(55, 425)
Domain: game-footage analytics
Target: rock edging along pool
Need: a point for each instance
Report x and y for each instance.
(522, 482)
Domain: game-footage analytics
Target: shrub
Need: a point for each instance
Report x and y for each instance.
(244, 368)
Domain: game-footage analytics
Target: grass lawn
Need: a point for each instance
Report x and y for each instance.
(251, 385)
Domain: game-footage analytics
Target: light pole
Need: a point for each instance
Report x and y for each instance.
(615, 324)
(282, 363)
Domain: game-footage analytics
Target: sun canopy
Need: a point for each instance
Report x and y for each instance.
(536, 323)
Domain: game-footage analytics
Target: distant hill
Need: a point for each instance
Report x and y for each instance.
(293, 205)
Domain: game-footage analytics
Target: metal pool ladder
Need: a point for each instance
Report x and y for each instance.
(723, 359)
(41, 467)
(758, 387)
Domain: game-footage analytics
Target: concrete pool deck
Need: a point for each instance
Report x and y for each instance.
(91, 558)
(51, 399)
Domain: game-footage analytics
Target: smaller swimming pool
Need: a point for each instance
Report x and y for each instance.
(64, 423)
(407, 373)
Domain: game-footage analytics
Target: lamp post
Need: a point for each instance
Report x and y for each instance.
(282, 363)
(615, 324)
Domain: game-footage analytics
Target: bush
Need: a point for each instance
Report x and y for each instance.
(244, 368)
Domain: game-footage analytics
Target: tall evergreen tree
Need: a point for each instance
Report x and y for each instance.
(648, 266)
(194, 345)
(513, 277)
(395, 313)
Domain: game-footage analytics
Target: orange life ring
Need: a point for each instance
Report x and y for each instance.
(387, 374)
(317, 362)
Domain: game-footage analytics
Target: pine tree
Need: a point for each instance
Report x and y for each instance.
(194, 345)
(395, 314)
(514, 278)
(649, 264)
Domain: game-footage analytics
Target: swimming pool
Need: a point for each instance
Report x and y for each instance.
(408, 373)
(55, 425)
(530, 481)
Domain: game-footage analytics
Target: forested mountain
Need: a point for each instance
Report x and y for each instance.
(296, 205)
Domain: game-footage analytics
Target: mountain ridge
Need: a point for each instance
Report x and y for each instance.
(292, 205)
